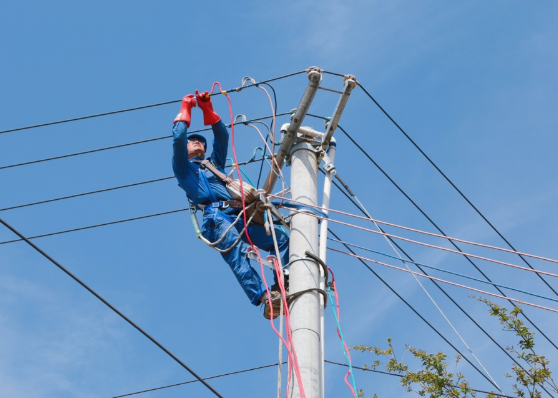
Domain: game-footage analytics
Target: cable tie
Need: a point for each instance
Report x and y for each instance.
(224, 92)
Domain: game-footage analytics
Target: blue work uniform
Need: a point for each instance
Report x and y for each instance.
(202, 187)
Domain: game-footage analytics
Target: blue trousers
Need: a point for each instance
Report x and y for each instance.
(215, 224)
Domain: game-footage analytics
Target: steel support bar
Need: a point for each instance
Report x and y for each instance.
(350, 83)
(305, 274)
(314, 77)
(323, 243)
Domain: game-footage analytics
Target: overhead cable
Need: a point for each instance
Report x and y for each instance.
(110, 189)
(452, 184)
(446, 271)
(466, 313)
(423, 243)
(75, 119)
(85, 193)
(414, 310)
(111, 307)
(196, 381)
(122, 145)
(443, 280)
(275, 364)
(391, 244)
(95, 226)
(398, 375)
(143, 106)
(436, 226)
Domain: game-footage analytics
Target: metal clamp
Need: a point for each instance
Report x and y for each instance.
(305, 144)
(329, 167)
(252, 255)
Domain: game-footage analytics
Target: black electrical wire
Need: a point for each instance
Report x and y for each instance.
(443, 291)
(90, 151)
(110, 189)
(111, 307)
(398, 375)
(435, 226)
(121, 145)
(433, 281)
(455, 187)
(334, 74)
(415, 311)
(195, 381)
(141, 107)
(86, 193)
(103, 224)
(90, 116)
(96, 226)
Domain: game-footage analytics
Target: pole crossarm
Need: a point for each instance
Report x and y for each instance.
(350, 84)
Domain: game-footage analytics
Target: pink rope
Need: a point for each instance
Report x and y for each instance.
(444, 281)
(297, 371)
(429, 245)
(428, 233)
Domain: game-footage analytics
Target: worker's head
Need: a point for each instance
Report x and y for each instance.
(197, 145)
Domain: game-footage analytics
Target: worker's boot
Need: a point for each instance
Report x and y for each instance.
(185, 114)
(210, 117)
(275, 302)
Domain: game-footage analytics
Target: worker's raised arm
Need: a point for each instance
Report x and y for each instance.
(221, 135)
(180, 138)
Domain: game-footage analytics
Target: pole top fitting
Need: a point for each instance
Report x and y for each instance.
(350, 77)
(314, 69)
(314, 74)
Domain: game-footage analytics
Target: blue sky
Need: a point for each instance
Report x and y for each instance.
(473, 83)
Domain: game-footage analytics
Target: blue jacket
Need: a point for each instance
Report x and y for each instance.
(201, 185)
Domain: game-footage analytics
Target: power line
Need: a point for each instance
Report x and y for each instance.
(453, 185)
(180, 210)
(95, 226)
(86, 193)
(414, 310)
(90, 116)
(382, 232)
(433, 281)
(120, 145)
(109, 189)
(398, 375)
(111, 307)
(195, 381)
(446, 271)
(433, 224)
(141, 107)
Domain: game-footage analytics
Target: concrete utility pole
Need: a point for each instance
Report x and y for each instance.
(305, 275)
(307, 148)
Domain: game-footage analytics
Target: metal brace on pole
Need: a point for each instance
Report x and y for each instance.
(350, 83)
(314, 77)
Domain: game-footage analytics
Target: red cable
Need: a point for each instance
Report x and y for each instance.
(297, 371)
(287, 317)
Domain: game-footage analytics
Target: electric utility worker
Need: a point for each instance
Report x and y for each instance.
(206, 191)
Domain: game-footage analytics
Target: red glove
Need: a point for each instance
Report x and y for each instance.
(185, 114)
(209, 115)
